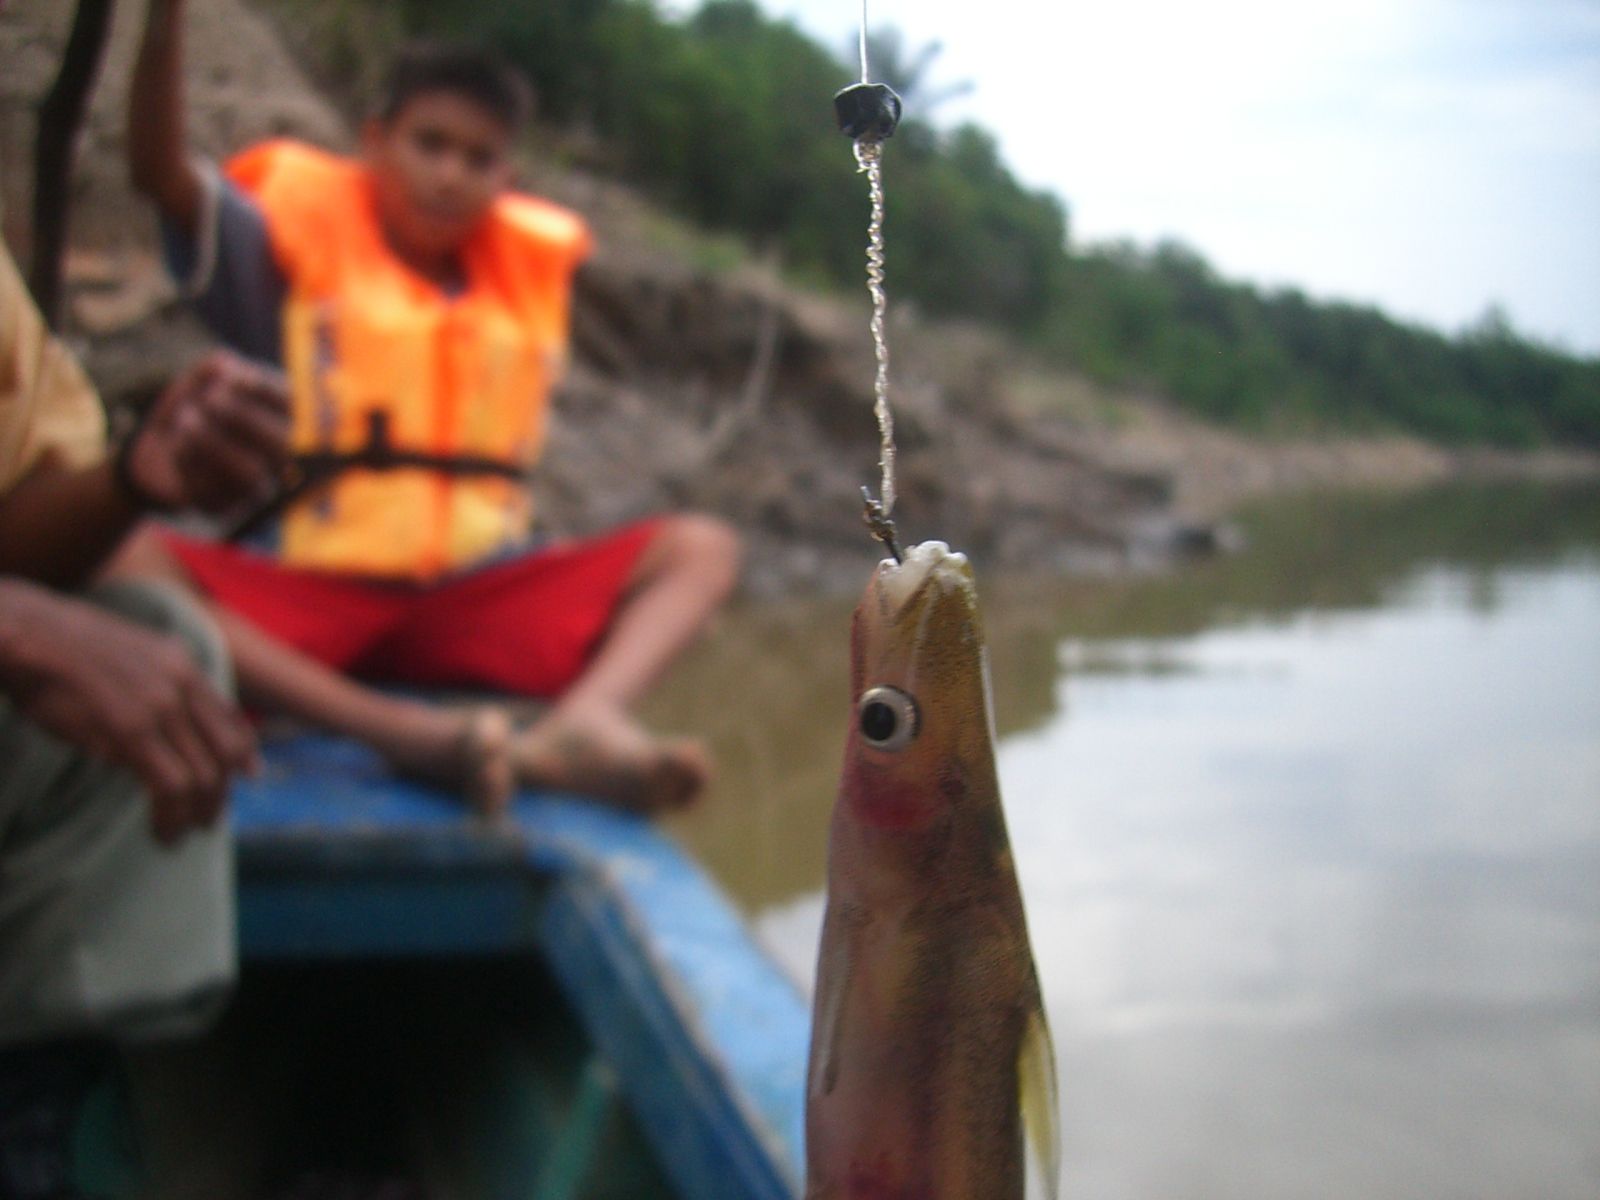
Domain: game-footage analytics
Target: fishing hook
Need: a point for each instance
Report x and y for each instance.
(879, 524)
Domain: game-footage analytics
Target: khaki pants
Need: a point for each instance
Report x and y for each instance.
(103, 931)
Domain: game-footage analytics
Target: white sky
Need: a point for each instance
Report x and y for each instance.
(1430, 156)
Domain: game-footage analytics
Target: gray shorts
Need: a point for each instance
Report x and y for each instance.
(102, 929)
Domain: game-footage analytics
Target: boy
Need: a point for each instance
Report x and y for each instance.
(420, 310)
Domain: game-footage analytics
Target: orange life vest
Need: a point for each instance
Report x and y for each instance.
(371, 346)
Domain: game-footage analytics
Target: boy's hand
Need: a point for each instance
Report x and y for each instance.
(126, 694)
(216, 438)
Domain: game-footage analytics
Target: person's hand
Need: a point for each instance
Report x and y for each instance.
(216, 439)
(125, 694)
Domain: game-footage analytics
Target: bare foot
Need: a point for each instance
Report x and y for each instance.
(602, 753)
(467, 750)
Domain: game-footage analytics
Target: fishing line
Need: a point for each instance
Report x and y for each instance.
(870, 157)
(863, 42)
(868, 112)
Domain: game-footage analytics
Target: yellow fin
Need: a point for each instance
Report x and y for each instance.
(1041, 1117)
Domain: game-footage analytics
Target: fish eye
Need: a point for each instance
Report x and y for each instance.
(887, 718)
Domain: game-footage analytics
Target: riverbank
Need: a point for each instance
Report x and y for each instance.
(1027, 471)
(1214, 470)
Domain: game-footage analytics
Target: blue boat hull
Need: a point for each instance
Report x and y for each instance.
(559, 1004)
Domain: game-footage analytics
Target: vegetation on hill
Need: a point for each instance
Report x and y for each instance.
(724, 115)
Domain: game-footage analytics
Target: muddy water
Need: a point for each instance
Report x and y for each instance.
(1310, 839)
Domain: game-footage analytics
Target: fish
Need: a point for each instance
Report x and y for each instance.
(931, 1063)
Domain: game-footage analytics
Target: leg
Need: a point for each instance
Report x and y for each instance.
(465, 749)
(588, 741)
(104, 932)
(101, 928)
(592, 624)
(678, 584)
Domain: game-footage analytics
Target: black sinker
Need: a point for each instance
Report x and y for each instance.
(867, 111)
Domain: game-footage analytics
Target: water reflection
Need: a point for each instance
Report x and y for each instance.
(1310, 840)
(769, 689)
(1322, 916)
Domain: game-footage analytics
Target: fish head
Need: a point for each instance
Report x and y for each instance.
(920, 747)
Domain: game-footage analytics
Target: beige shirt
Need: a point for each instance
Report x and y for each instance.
(47, 405)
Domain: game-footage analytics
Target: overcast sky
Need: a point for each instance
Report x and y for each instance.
(1431, 156)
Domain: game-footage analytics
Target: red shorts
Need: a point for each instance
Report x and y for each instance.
(525, 625)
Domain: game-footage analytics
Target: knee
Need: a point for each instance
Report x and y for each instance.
(705, 546)
(167, 608)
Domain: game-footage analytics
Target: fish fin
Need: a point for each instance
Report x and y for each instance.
(1036, 1080)
(833, 972)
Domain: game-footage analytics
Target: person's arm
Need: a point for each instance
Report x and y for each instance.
(227, 270)
(126, 694)
(158, 152)
(217, 436)
(214, 238)
(58, 524)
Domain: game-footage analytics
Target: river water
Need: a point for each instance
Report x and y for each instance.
(1309, 838)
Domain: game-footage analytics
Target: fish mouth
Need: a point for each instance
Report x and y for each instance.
(925, 567)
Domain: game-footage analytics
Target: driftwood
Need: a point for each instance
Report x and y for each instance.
(60, 117)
